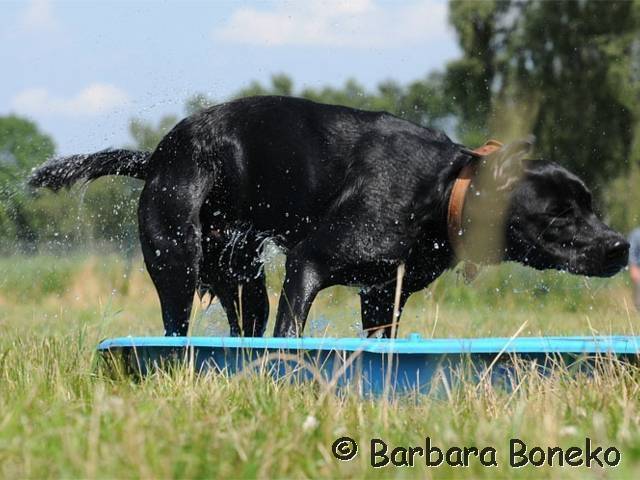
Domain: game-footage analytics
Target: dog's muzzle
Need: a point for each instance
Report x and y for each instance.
(616, 256)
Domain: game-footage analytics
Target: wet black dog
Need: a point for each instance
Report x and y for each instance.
(349, 194)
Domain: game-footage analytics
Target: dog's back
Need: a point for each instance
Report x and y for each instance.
(282, 162)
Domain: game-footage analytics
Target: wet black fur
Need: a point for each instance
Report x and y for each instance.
(348, 194)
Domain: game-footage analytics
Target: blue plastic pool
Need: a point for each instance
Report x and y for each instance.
(411, 364)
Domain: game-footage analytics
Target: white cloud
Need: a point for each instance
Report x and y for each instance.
(38, 16)
(339, 23)
(95, 99)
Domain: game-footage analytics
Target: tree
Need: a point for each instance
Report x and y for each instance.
(469, 81)
(147, 136)
(22, 146)
(197, 103)
(422, 101)
(553, 68)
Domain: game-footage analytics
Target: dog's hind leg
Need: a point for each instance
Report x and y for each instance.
(170, 236)
(255, 306)
(216, 275)
(247, 314)
(239, 284)
(376, 307)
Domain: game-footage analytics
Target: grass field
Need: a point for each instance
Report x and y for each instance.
(61, 417)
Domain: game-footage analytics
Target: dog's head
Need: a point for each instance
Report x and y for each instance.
(549, 218)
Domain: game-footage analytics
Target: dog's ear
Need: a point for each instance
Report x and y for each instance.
(507, 164)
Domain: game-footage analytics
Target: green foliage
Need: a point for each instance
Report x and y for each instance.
(22, 146)
(281, 84)
(469, 80)
(581, 121)
(622, 200)
(197, 103)
(565, 68)
(146, 136)
(421, 101)
(102, 213)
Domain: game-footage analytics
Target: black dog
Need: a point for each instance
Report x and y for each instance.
(349, 194)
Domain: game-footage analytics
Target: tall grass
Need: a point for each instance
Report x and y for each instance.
(60, 416)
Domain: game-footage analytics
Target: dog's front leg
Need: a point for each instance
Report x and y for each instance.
(303, 280)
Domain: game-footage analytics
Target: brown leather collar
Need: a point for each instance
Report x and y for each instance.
(459, 192)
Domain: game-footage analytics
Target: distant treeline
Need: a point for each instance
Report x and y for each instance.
(568, 72)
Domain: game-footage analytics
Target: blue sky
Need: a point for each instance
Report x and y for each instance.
(82, 69)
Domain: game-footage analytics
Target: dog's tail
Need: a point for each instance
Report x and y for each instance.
(65, 171)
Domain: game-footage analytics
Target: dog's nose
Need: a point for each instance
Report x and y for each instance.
(617, 249)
